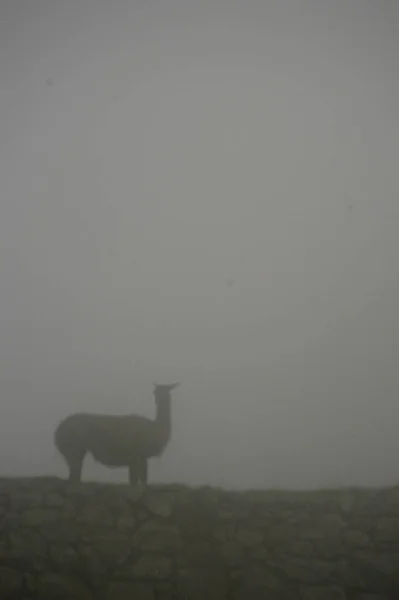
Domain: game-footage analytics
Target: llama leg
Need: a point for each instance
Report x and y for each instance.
(75, 464)
(144, 471)
(134, 473)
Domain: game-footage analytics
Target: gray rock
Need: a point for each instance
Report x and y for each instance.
(96, 516)
(330, 548)
(259, 583)
(153, 567)
(21, 499)
(225, 532)
(27, 544)
(259, 553)
(200, 553)
(307, 570)
(160, 504)
(59, 587)
(373, 597)
(163, 539)
(113, 548)
(347, 501)
(281, 534)
(301, 548)
(165, 592)
(208, 496)
(378, 563)
(323, 593)
(63, 531)
(232, 553)
(37, 517)
(10, 583)
(126, 522)
(356, 538)
(130, 591)
(387, 530)
(133, 493)
(327, 526)
(348, 575)
(198, 584)
(54, 500)
(63, 554)
(249, 537)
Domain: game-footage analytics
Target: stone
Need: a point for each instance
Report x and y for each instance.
(113, 548)
(201, 553)
(300, 548)
(37, 517)
(385, 564)
(165, 592)
(27, 545)
(209, 496)
(11, 583)
(281, 534)
(331, 524)
(62, 531)
(130, 591)
(160, 540)
(256, 583)
(54, 500)
(356, 538)
(347, 574)
(225, 532)
(307, 570)
(249, 537)
(323, 593)
(387, 529)
(153, 567)
(232, 553)
(346, 502)
(259, 553)
(95, 516)
(169, 542)
(367, 596)
(327, 526)
(198, 584)
(160, 504)
(133, 493)
(126, 522)
(155, 535)
(20, 499)
(59, 587)
(330, 548)
(63, 553)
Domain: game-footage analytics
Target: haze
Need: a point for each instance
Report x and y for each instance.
(204, 192)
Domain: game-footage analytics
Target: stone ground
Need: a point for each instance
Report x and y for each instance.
(114, 542)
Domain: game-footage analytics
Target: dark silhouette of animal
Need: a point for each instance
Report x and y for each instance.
(116, 441)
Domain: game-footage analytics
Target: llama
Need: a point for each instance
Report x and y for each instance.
(116, 441)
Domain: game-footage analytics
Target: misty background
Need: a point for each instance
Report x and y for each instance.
(203, 192)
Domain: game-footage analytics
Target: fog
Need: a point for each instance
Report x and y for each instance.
(203, 192)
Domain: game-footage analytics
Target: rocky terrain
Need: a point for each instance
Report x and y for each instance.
(114, 542)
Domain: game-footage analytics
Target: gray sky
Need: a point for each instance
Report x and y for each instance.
(204, 192)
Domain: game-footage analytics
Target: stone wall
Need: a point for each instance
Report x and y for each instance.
(109, 542)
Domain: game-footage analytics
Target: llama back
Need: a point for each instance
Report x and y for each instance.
(112, 440)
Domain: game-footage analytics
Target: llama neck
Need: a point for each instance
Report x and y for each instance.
(163, 417)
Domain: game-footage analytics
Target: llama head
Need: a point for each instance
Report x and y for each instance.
(162, 392)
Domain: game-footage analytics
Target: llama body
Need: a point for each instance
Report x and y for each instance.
(116, 441)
